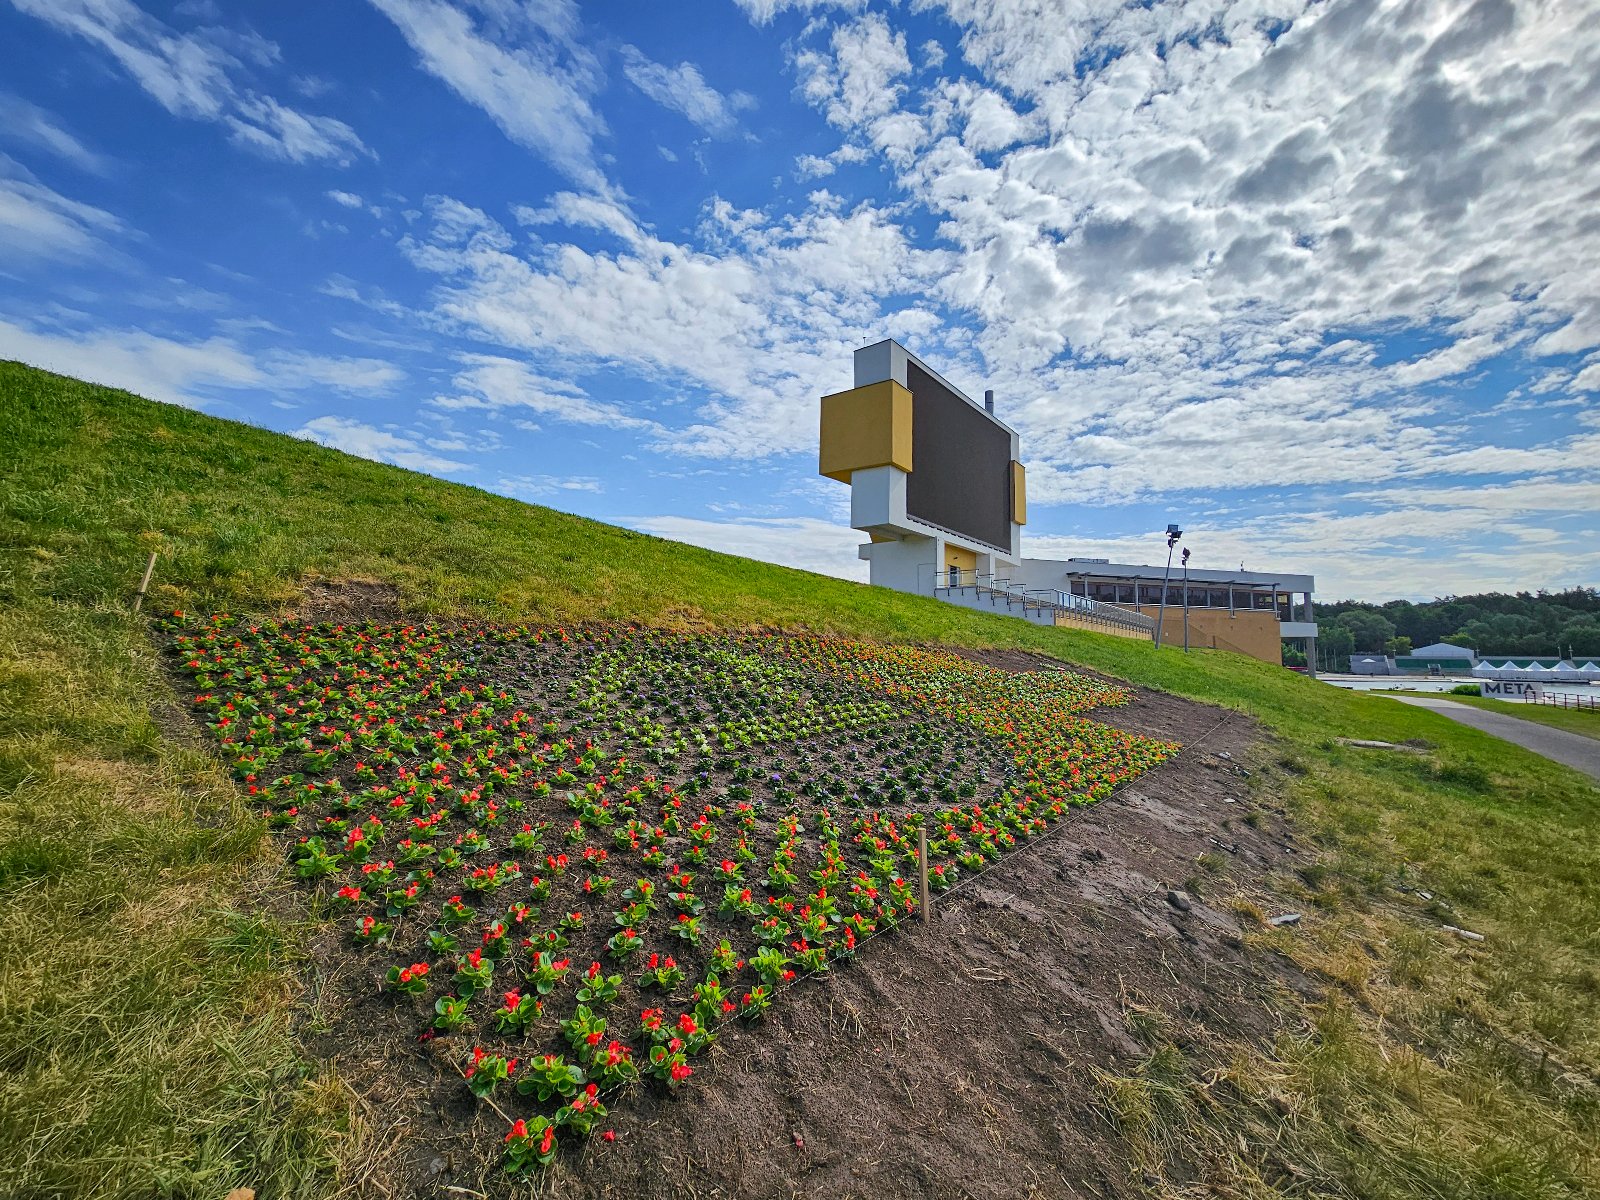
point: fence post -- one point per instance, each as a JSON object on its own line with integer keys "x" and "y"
{"x": 149, "y": 570}
{"x": 922, "y": 868}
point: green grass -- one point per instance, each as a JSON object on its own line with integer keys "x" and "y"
{"x": 1573, "y": 720}
{"x": 145, "y": 1004}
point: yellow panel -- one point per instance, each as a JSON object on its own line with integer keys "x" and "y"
{"x": 955, "y": 556}
{"x": 865, "y": 427}
{"x": 1019, "y": 493}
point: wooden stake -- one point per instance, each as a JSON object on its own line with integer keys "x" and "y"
{"x": 149, "y": 570}
{"x": 922, "y": 869}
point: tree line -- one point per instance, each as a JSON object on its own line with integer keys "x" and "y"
{"x": 1527, "y": 623}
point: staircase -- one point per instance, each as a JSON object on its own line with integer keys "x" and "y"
{"x": 1039, "y": 605}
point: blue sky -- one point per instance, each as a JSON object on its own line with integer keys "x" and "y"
{"x": 1317, "y": 281}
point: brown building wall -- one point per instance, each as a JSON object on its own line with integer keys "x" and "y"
{"x": 1243, "y": 632}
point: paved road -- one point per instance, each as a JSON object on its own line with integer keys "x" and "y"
{"x": 1573, "y": 749}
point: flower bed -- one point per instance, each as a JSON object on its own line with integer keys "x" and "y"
{"x": 584, "y": 853}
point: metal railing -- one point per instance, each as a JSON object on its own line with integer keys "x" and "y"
{"x": 1566, "y": 700}
{"x": 947, "y": 581}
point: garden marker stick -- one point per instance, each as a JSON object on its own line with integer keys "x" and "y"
{"x": 922, "y": 867}
{"x": 149, "y": 570}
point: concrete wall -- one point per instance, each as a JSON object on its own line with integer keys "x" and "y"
{"x": 989, "y": 602}
{"x": 895, "y": 564}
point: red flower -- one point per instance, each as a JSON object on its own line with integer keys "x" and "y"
{"x": 681, "y": 1071}
{"x": 610, "y": 1135}
{"x": 519, "y": 1130}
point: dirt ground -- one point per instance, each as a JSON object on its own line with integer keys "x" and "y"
{"x": 956, "y": 1059}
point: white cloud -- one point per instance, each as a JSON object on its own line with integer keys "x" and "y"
{"x": 1165, "y": 219}
{"x": 582, "y": 212}
{"x": 355, "y": 202}
{"x": 764, "y": 322}
{"x": 31, "y": 125}
{"x": 857, "y": 84}
{"x": 189, "y": 372}
{"x": 197, "y": 74}
{"x": 38, "y": 223}
{"x": 1588, "y": 379}
{"x": 812, "y": 166}
{"x": 520, "y": 64}
{"x": 365, "y": 376}
{"x": 264, "y": 125}
{"x": 380, "y": 445}
{"x": 528, "y": 487}
{"x": 761, "y": 12}
{"x": 684, "y": 90}
{"x": 491, "y": 382}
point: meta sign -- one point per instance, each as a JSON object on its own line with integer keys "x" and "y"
{"x": 1512, "y": 689}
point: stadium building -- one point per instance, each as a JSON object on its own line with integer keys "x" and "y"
{"x": 937, "y": 484}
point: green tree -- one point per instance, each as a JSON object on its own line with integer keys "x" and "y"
{"x": 1581, "y": 639}
{"x": 1369, "y": 629}
{"x": 1336, "y": 641}
{"x": 1399, "y": 644}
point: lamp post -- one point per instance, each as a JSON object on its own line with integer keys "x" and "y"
{"x": 1186, "y": 599}
{"x": 1173, "y": 534}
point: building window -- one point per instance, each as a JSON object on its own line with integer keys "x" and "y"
{"x": 1149, "y": 594}
{"x": 1105, "y": 593}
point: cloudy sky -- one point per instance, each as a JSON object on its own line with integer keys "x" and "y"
{"x": 1319, "y": 281}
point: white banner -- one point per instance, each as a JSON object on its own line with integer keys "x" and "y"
{"x": 1512, "y": 689}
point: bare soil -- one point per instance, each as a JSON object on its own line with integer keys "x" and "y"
{"x": 956, "y": 1059}
{"x": 345, "y": 601}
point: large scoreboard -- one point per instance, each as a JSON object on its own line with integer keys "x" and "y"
{"x": 933, "y": 476}
{"x": 961, "y": 477}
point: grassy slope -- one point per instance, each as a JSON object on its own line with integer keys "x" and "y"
{"x": 1573, "y": 720}
{"x": 134, "y": 995}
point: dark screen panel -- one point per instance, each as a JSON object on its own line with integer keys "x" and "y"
{"x": 960, "y": 463}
